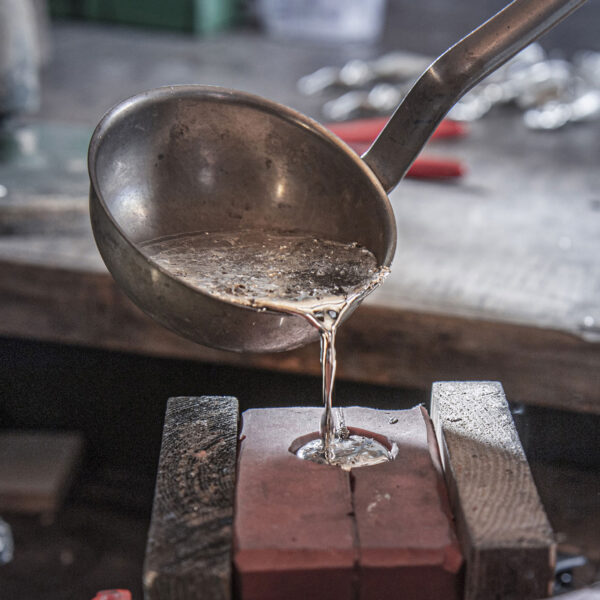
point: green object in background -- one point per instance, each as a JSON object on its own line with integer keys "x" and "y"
{"x": 197, "y": 16}
{"x": 64, "y": 8}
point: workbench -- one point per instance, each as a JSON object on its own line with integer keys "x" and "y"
{"x": 497, "y": 275}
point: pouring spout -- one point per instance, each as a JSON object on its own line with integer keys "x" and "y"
{"x": 452, "y": 75}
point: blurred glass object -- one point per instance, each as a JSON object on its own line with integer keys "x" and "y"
{"x": 335, "y": 21}
{"x": 510, "y": 83}
{"x": 20, "y": 57}
{"x": 394, "y": 67}
{"x": 587, "y": 64}
{"x": 556, "y": 114}
{"x": 381, "y": 99}
{"x": 551, "y": 92}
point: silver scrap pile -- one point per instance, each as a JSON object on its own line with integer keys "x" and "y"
{"x": 550, "y": 92}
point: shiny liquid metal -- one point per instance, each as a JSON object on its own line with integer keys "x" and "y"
{"x": 319, "y": 280}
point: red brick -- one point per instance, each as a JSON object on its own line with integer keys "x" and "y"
{"x": 296, "y": 535}
{"x": 293, "y": 533}
{"x": 406, "y": 535}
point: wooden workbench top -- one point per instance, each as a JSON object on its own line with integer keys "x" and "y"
{"x": 497, "y": 276}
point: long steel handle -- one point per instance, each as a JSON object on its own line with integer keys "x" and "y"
{"x": 452, "y": 75}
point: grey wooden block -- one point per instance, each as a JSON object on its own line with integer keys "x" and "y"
{"x": 503, "y": 529}
{"x": 36, "y": 468}
{"x": 188, "y": 555}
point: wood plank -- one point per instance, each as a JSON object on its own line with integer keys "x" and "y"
{"x": 36, "y": 468}
{"x": 377, "y": 345}
{"x": 496, "y": 275}
{"x": 504, "y": 531}
{"x": 304, "y": 530}
{"x": 503, "y": 244}
{"x": 473, "y": 249}
{"x": 514, "y": 240}
{"x": 188, "y": 555}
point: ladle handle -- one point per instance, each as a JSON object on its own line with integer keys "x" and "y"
{"x": 452, "y": 75}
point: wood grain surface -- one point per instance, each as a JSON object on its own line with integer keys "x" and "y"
{"x": 188, "y": 555}
{"x": 515, "y": 241}
{"x": 377, "y": 345}
{"x": 496, "y": 275}
{"x": 503, "y": 529}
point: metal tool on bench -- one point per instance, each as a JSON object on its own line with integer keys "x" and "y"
{"x": 192, "y": 158}
{"x": 361, "y": 133}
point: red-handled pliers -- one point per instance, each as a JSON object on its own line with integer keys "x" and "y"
{"x": 360, "y": 134}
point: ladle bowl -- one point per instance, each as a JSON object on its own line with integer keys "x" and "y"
{"x": 189, "y": 159}
{"x": 194, "y": 159}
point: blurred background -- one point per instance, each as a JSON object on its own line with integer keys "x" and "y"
{"x": 497, "y": 274}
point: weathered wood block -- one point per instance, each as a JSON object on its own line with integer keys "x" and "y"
{"x": 188, "y": 555}
{"x": 304, "y": 530}
{"x": 505, "y": 535}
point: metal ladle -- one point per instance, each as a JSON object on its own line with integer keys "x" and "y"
{"x": 193, "y": 158}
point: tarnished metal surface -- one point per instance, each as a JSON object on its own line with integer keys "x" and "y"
{"x": 194, "y": 158}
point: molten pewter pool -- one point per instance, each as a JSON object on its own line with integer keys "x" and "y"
{"x": 319, "y": 280}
